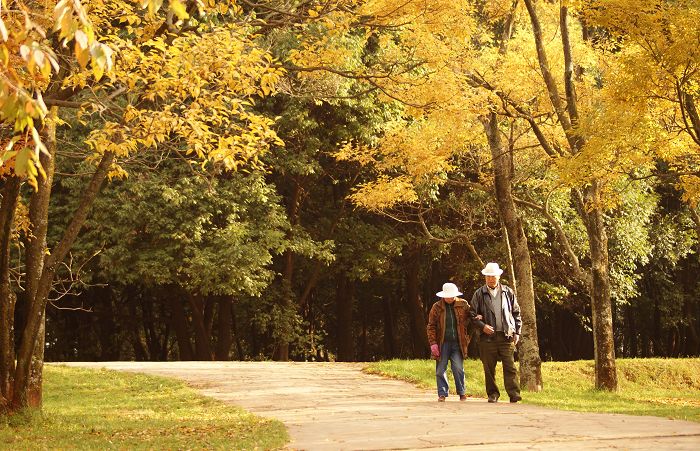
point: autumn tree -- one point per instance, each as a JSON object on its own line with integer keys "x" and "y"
{"x": 181, "y": 78}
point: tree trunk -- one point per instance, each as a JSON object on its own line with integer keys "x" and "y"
{"x": 414, "y": 305}
{"x": 130, "y": 296}
{"x": 202, "y": 338}
{"x": 224, "y": 329}
{"x": 107, "y": 328}
{"x": 589, "y": 207}
{"x": 30, "y": 357}
{"x": 364, "y": 335}
{"x": 236, "y": 334}
{"x": 344, "y": 319}
{"x": 281, "y": 352}
{"x": 601, "y": 308}
{"x": 10, "y": 195}
{"x": 530, "y": 363}
{"x": 389, "y": 327}
{"x": 148, "y": 321}
{"x": 182, "y": 333}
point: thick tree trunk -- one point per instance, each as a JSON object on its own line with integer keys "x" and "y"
{"x": 224, "y": 335}
{"x": 31, "y": 355}
{"x": 10, "y": 195}
{"x": 35, "y": 395}
{"x": 601, "y": 308}
{"x": 414, "y": 305}
{"x": 530, "y": 362}
{"x": 344, "y": 319}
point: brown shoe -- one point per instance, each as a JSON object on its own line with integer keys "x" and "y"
{"x": 462, "y": 397}
{"x": 441, "y": 399}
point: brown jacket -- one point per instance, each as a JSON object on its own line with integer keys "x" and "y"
{"x": 436, "y": 323}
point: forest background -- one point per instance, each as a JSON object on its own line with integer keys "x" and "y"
{"x": 294, "y": 180}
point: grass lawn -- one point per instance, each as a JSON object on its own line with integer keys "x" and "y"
{"x": 101, "y": 409}
{"x": 660, "y": 387}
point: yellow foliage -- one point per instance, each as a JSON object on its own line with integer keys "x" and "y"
{"x": 657, "y": 64}
{"x": 21, "y": 224}
{"x": 384, "y": 193}
{"x": 190, "y": 91}
{"x": 690, "y": 184}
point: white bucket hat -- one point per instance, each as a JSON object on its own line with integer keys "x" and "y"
{"x": 492, "y": 269}
{"x": 449, "y": 290}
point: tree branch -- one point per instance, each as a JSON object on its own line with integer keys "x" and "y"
{"x": 552, "y": 89}
{"x": 562, "y": 239}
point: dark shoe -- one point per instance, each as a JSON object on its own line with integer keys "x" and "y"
{"x": 516, "y": 399}
{"x": 493, "y": 398}
{"x": 441, "y": 399}
{"x": 462, "y": 397}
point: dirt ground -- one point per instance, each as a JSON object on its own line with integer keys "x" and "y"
{"x": 334, "y": 406}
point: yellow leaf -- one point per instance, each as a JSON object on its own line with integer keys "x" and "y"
{"x": 179, "y": 9}
{"x": 81, "y": 39}
{"x": 82, "y": 55}
{"x": 3, "y": 30}
{"x": 21, "y": 161}
{"x": 97, "y": 71}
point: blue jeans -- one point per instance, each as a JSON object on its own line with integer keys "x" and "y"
{"x": 450, "y": 351}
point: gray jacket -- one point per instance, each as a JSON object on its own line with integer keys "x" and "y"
{"x": 510, "y": 311}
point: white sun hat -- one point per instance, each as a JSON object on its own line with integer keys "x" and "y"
{"x": 449, "y": 290}
{"x": 492, "y": 269}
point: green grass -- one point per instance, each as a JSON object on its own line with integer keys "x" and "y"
{"x": 101, "y": 409}
{"x": 659, "y": 387}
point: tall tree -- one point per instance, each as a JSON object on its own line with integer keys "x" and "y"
{"x": 149, "y": 85}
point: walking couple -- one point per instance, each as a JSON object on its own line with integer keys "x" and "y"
{"x": 495, "y": 315}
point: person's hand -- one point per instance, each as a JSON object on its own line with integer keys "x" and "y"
{"x": 516, "y": 339}
{"x": 478, "y": 317}
{"x": 488, "y": 330}
{"x": 435, "y": 351}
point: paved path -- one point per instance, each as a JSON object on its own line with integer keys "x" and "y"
{"x": 334, "y": 406}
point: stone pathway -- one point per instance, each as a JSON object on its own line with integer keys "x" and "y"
{"x": 334, "y": 406}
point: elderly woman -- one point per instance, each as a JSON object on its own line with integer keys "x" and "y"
{"x": 449, "y": 339}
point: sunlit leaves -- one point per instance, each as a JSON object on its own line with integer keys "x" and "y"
{"x": 194, "y": 94}
{"x": 29, "y": 63}
{"x": 657, "y": 75}
{"x": 384, "y": 193}
{"x": 190, "y": 94}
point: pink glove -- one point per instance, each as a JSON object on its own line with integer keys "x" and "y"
{"x": 435, "y": 350}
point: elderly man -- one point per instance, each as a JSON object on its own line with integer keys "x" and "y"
{"x": 448, "y": 337}
{"x": 498, "y": 330}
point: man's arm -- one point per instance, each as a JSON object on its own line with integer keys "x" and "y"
{"x": 474, "y": 312}
{"x": 432, "y": 326}
{"x": 516, "y": 314}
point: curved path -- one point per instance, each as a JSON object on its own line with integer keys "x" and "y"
{"x": 334, "y": 406}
